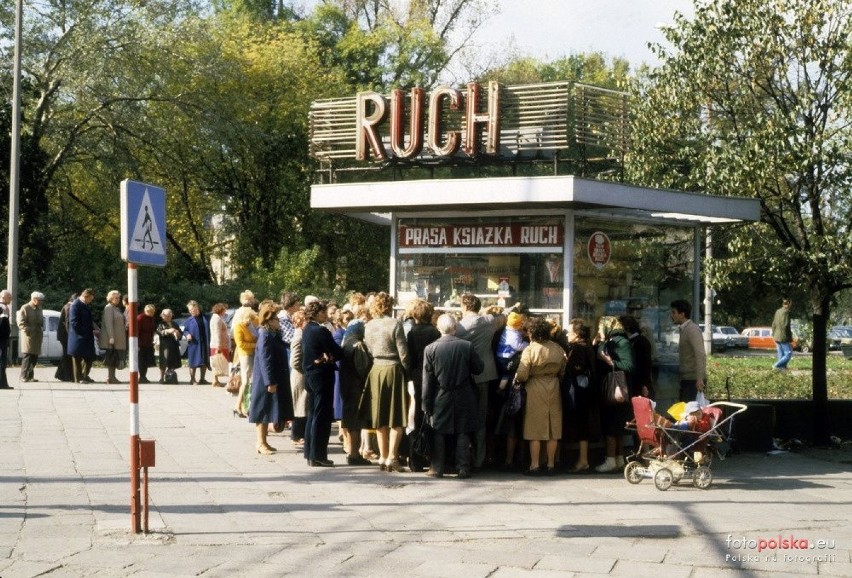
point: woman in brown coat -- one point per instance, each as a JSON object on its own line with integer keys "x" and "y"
{"x": 541, "y": 369}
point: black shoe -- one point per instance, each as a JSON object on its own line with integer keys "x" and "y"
{"x": 358, "y": 461}
{"x": 144, "y": 380}
{"x": 321, "y": 463}
{"x": 463, "y": 474}
{"x": 434, "y": 474}
{"x": 203, "y": 382}
{"x": 550, "y": 472}
{"x": 7, "y": 387}
{"x": 533, "y": 472}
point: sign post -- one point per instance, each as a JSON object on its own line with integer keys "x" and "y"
{"x": 143, "y": 236}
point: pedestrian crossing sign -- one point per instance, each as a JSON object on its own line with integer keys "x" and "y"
{"x": 143, "y": 223}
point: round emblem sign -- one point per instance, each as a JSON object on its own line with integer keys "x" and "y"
{"x": 599, "y": 249}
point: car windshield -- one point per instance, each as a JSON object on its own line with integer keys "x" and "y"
{"x": 729, "y": 330}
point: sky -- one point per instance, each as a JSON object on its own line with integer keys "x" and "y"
{"x": 550, "y": 29}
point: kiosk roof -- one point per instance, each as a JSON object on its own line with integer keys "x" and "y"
{"x": 376, "y": 201}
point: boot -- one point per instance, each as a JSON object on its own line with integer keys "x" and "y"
{"x": 111, "y": 375}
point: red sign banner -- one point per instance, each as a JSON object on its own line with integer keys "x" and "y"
{"x": 451, "y": 236}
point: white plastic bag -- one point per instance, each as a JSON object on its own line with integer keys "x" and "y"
{"x": 410, "y": 427}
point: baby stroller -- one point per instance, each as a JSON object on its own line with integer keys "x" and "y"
{"x": 668, "y": 453}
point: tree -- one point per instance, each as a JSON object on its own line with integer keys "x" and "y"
{"x": 88, "y": 67}
{"x": 383, "y": 44}
{"x": 755, "y": 99}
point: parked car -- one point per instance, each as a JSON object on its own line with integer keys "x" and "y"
{"x": 733, "y": 338}
{"x": 761, "y": 338}
{"x": 838, "y": 337}
{"x": 720, "y": 340}
{"x": 51, "y": 348}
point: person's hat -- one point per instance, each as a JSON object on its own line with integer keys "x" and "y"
{"x": 37, "y": 295}
{"x": 691, "y": 407}
{"x": 515, "y": 321}
{"x": 310, "y": 299}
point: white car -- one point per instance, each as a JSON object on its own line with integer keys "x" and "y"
{"x": 734, "y": 339}
{"x": 51, "y": 347}
{"x": 720, "y": 340}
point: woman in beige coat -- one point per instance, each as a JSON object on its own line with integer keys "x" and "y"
{"x": 113, "y": 337}
{"x": 541, "y": 369}
{"x": 297, "y": 381}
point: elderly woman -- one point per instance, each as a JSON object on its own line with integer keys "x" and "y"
{"x": 245, "y": 340}
{"x": 297, "y": 381}
{"x": 383, "y": 405}
{"x": 582, "y": 385}
{"x": 421, "y": 334}
{"x": 145, "y": 328}
{"x": 113, "y": 337}
{"x": 220, "y": 344}
{"x": 197, "y": 333}
{"x": 513, "y": 340}
{"x": 541, "y": 368}
{"x": 614, "y": 353}
{"x": 169, "y": 334}
{"x": 269, "y": 378}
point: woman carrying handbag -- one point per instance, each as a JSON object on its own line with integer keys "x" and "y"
{"x": 615, "y": 354}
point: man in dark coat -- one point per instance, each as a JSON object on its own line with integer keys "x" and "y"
{"x": 449, "y": 394}
{"x": 5, "y": 332}
{"x": 81, "y": 336}
{"x": 319, "y": 354}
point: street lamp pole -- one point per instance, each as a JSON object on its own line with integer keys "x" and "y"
{"x": 15, "y": 164}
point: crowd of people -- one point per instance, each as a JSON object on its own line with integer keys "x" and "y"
{"x": 388, "y": 379}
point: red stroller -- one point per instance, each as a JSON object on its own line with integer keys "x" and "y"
{"x": 669, "y": 454}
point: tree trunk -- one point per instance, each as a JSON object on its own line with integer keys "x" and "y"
{"x": 822, "y": 427}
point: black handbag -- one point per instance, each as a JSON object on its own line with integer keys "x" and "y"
{"x": 422, "y": 442}
{"x": 615, "y": 387}
{"x": 516, "y": 399}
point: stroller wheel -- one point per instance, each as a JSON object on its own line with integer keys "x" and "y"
{"x": 633, "y": 472}
{"x": 663, "y": 479}
{"x": 702, "y": 478}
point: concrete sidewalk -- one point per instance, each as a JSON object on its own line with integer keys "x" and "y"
{"x": 220, "y": 509}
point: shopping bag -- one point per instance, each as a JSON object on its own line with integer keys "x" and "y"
{"x": 615, "y": 388}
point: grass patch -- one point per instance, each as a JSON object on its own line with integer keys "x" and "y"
{"x": 752, "y": 377}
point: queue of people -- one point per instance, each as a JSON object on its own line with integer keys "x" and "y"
{"x": 387, "y": 379}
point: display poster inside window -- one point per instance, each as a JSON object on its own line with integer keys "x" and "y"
{"x": 599, "y": 249}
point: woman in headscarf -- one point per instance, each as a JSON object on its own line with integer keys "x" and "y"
{"x": 614, "y": 353}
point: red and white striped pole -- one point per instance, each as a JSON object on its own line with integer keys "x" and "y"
{"x": 133, "y": 350}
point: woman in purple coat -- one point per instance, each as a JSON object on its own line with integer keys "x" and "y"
{"x": 196, "y": 330}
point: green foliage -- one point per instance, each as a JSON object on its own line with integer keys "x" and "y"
{"x": 752, "y": 377}
{"x": 590, "y": 68}
{"x": 754, "y": 100}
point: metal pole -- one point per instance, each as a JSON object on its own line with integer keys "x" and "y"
{"x": 708, "y": 294}
{"x": 14, "y": 168}
{"x": 133, "y": 350}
